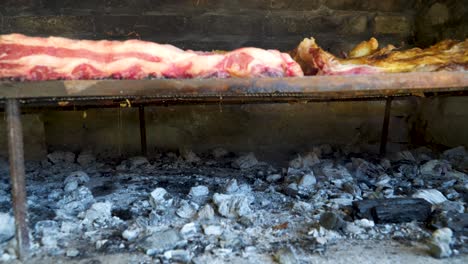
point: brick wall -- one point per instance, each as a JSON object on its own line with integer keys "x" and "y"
{"x": 216, "y": 24}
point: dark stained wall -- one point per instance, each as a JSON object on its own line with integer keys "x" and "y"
{"x": 216, "y": 24}
{"x": 441, "y": 19}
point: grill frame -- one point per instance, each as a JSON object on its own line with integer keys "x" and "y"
{"x": 112, "y": 93}
{"x": 310, "y": 87}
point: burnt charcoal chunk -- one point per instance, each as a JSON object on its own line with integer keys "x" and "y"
{"x": 397, "y": 210}
{"x": 406, "y": 211}
{"x": 363, "y": 208}
{"x": 332, "y": 221}
{"x": 457, "y": 222}
{"x": 123, "y": 214}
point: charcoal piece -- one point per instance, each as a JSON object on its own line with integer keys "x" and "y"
{"x": 291, "y": 190}
{"x": 458, "y": 222}
{"x": 396, "y": 210}
{"x": 363, "y": 208}
{"x": 332, "y": 221}
{"x": 465, "y": 197}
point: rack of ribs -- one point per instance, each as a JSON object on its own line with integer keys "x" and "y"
{"x": 55, "y": 58}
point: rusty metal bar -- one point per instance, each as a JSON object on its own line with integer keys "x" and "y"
{"x": 33, "y": 105}
{"x": 385, "y": 125}
{"x": 141, "y": 117}
{"x": 314, "y": 87}
{"x": 17, "y": 174}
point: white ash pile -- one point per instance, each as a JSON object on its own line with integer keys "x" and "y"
{"x": 192, "y": 208}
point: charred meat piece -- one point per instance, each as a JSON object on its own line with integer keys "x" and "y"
{"x": 366, "y": 58}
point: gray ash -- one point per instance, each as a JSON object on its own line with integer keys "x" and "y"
{"x": 228, "y": 207}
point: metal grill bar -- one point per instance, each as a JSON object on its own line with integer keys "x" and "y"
{"x": 17, "y": 174}
{"x": 386, "y": 121}
{"x": 141, "y": 117}
{"x": 317, "y": 87}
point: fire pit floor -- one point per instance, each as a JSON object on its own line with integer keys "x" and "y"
{"x": 347, "y": 251}
{"x": 221, "y": 207}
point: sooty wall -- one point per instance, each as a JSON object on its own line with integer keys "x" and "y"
{"x": 216, "y": 24}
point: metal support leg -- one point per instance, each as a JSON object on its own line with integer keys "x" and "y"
{"x": 386, "y": 121}
{"x": 141, "y": 114}
{"x": 17, "y": 174}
